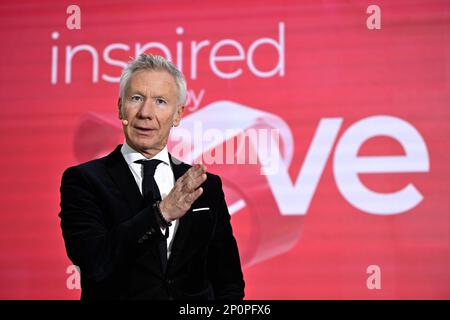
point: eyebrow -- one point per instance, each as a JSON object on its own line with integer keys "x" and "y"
{"x": 136, "y": 92}
{"x": 161, "y": 97}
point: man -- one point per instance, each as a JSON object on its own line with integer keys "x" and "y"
{"x": 139, "y": 223}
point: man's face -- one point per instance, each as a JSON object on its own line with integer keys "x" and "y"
{"x": 151, "y": 107}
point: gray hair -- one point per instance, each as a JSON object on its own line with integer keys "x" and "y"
{"x": 157, "y": 63}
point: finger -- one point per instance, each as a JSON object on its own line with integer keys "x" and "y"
{"x": 192, "y": 174}
{"x": 197, "y": 193}
{"x": 197, "y": 170}
{"x": 194, "y": 196}
{"x": 183, "y": 179}
{"x": 187, "y": 175}
{"x": 193, "y": 183}
{"x": 202, "y": 168}
{"x": 198, "y": 181}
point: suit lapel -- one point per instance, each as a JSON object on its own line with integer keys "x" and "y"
{"x": 120, "y": 173}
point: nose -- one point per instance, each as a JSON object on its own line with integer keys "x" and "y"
{"x": 147, "y": 109}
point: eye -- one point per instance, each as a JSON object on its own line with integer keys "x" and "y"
{"x": 160, "y": 101}
{"x": 136, "y": 98}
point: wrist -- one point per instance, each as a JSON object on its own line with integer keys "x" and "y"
{"x": 163, "y": 219}
{"x": 164, "y": 211}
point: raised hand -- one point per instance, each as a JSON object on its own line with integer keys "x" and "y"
{"x": 184, "y": 193}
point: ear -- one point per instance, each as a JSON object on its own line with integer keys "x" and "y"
{"x": 119, "y": 103}
{"x": 178, "y": 115}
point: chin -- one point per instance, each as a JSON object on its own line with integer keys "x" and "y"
{"x": 146, "y": 144}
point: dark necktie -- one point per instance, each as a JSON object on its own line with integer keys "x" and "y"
{"x": 151, "y": 194}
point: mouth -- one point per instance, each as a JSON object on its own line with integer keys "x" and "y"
{"x": 144, "y": 130}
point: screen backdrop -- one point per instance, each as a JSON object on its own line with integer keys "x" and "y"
{"x": 358, "y": 206}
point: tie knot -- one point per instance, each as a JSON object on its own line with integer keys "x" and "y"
{"x": 149, "y": 166}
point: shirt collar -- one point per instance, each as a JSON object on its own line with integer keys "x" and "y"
{"x": 132, "y": 155}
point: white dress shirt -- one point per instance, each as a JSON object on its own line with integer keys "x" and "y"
{"x": 163, "y": 176}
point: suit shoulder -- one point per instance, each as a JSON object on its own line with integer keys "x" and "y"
{"x": 213, "y": 181}
{"x": 87, "y": 168}
{"x": 97, "y": 164}
{"x": 214, "y": 177}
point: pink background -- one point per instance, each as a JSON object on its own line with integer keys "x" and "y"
{"x": 334, "y": 67}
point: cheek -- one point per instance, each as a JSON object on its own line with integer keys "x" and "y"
{"x": 126, "y": 112}
{"x": 131, "y": 115}
{"x": 128, "y": 131}
{"x": 165, "y": 118}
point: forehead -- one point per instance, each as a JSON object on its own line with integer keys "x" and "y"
{"x": 153, "y": 82}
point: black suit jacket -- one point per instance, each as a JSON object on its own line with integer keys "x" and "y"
{"x": 113, "y": 237}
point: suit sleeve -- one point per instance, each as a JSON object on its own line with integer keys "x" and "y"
{"x": 224, "y": 267}
{"x": 98, "y": 251}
